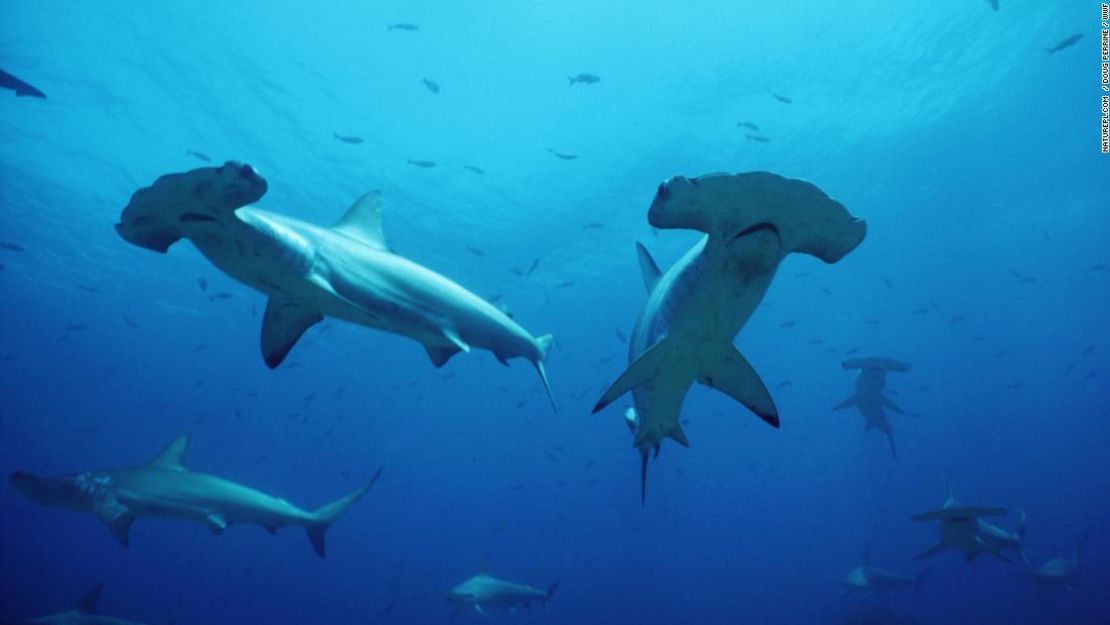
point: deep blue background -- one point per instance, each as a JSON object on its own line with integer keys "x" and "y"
{"x": 971, "y": 153}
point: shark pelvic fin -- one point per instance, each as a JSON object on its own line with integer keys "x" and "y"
{"x": 734, "y": 376}
{"x": 216, "y": 523}
{"x": 851, "y": 401}
{"x": 679, "y": 435}
{"x": 363, "y": 221}
{"x": 648, "y": 268}
{"x": 88, "y": 602}
{"x": 172, "y": 457}
{"x": 440, "y": 355}
{"x": 282, "y": 326}
{"x": 325, "y": 516}
{"x": 930, "y": 552}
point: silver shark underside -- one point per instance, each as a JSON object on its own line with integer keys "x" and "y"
{"x": 345, "y": 271}
{"x": 484, "y": 593}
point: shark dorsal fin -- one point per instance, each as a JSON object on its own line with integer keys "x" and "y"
{"x": 363, "y": 220}
{"x": 867, "y": 555}
{"x": 88, "y": 601}
{"x": 648, "y": 268}
{"x": 173, "y": 456}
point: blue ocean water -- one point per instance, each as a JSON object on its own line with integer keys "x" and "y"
{"x": 972, "y": 154}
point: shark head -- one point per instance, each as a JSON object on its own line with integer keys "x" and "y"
{"x": 794, "y": 215}
{"x": 158, "y": 215}
{"x": 66, "y": 491}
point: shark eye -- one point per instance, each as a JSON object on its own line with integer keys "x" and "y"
{"x": 246, "y": 171}
{"x": 663, "y": 192}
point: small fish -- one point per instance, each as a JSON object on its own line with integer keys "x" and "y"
{"x": 757, "y": 138}
{"x": 788, "y": 324}
{"x": 1066, "y": 42}
{"x": 475, "y": 169}
{"x": 88, "y": 288}
{"x": 748, "y": 125}
{"x": 565, "y": 283}
{"x": 621, "y": 336}
{"x": 920, "y": 311}
{"x": 782, "y": 98}
{"x": 203, "y": 284}
{"x": 77, "y": 327}
{"x": 221, "y": 295}
{"x": 593, "y": 225}
{"x": 871, "y": 321}
{"x": 351, "y": 139}
{"x": 130, "y": 322}
{"x": 803, "y": 274}
{"x": 519, "y": 272}
{"x": 1090, "y": 350}
{"x": 585, "y": 79}
{"x": 851, "y": 351}
{"x": 432, "y": 85}
{"x": 402, "y": 26}
{"x": 563, "y": 155}
{"x": 956, "y": 318}
{"x": 200, "y": 156}
{"x": 889, "y": 284}
{"x": 7, "y": 81}
{"x": 424, "y": 164}
{"x": 1098, "y": 267}
{"x": 532, "y": 268}
{"x": 784, "y": 384}
{"x": 475, "y": 251}
{"x": 12, "y": 247}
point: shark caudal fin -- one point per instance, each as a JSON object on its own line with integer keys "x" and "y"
{"x": 805, "y": 219}
{"x": 325, "y": 516}
{"x": 551, "y": 588}
{"x": 157, "y": 215}
{"x": 545, "y": 342}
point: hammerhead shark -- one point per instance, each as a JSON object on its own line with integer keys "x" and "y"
{"x": 869, "y": 398}
{"x": 867, "y": 577}
{"x": 164, "y": 488}
{"x": 962, "y": 528}
{"x": 484, "y": 593}
{"x": 685, "y": 331}
{"x": 84, "y": 614}
{"x": 346, "y": 271}
{"x": 1060, "y": 572}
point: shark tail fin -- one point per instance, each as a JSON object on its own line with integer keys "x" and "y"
{"x": 89, "y": 600}
{"x": 325, "y": 516}
{"x": 551, "y": 588}
{"x": 545, "y": 342}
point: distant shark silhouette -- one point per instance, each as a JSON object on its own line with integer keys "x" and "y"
{"x": 962, "y": 528}
{"x": 869, "y": 578}
{"x": 84, "y": 614}
{"x": 685, "y": 331}
{"x": 164, "y": 488}
{"x": 869, "y": 398}
{"x": 1060, "y": 573}
{"x": 345, "y": 271}
{"x": 484, "y": 594}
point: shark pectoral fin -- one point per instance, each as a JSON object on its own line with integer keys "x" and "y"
{"x": 479, "y": 610}
{"x": 363, "y": 221}
{"x": 679, "y": 436}
{"x": 649, "y": 364}
{"x": 734, "y": 376}
{"x": 282, "y": 326}
{"x": 851, "y": 401}
{"x": 648, "y": 268}
{"x": 440, "y": 354}
{"x": 216, "y": 523}
{"x": 89, "y": 600}
{"x": 930, "y": 552}
{"x": 893, "y": 406}
{"x": 117, "y": 517}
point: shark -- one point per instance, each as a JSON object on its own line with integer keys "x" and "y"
{"x": 85, "y": 613}
{"x": 346, "y": 271}
{"x": 484, "y": 593}
{"x": 869, "y": 578}
{"x": 962, "y": 528}
{"x": 164, "y": 488}
{"x": 869, "y": 398}
{"x": 1060, "y": 572}
{"x": 684, "y": 333}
